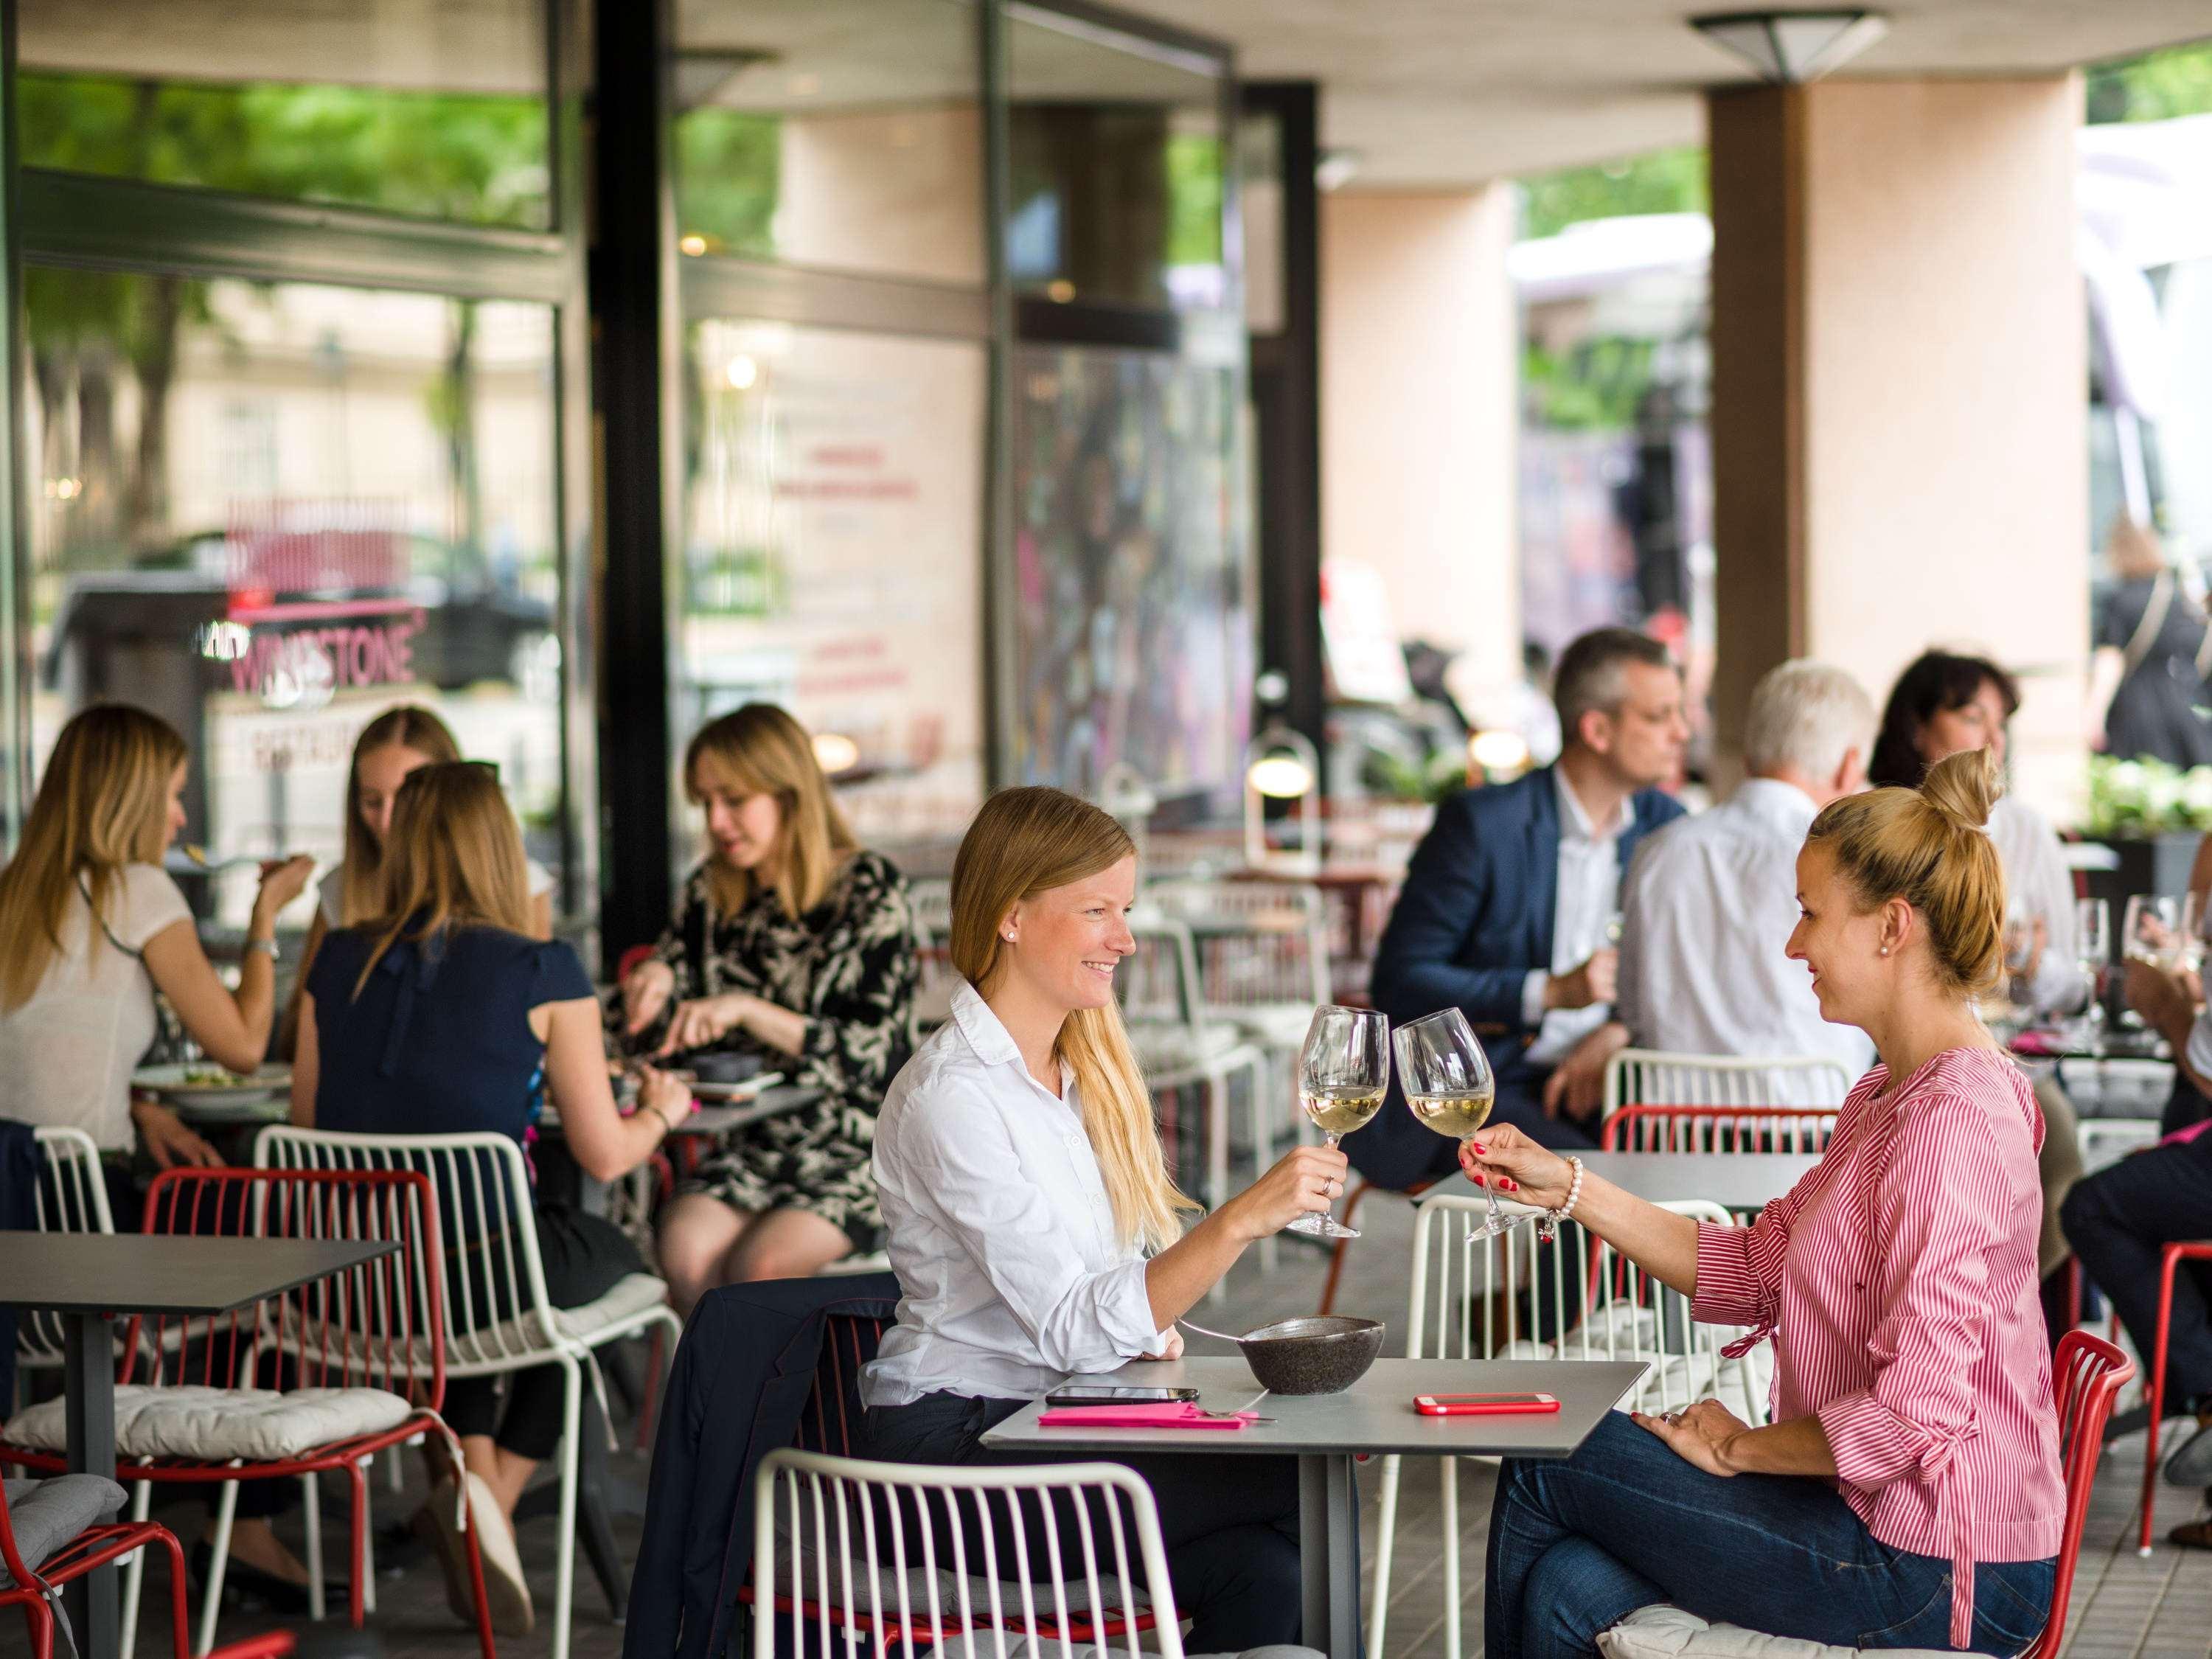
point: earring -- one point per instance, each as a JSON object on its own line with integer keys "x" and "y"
{"x": 1885, "y": 950}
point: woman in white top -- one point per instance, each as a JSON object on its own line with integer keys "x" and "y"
{"x": 396, "y": 743}
{"x": 1031, "y": 1221}
{"x": 90, "y": 928}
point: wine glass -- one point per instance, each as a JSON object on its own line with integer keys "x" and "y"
{"x": 1448, "y": 1086}
{"x": 1344, "y": 1072}
{"x": 2092, "y": 954}
{"x": 2192, "y": 933}
{"x": 2152, "y": 930}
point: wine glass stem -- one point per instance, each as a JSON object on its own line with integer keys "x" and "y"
{"x": 1328, "y": 1139}
{"x": 1490, "y": 1197}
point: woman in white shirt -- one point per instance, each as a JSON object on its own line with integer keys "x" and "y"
{"x": 90, "y": 928}
{"x": 1030, "y": 1218}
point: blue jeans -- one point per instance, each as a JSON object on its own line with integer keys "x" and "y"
{"x": 1576, "y": 1545}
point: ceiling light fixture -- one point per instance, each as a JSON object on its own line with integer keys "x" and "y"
{"x": 1789, "y": 48}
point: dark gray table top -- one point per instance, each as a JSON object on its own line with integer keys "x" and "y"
{"x": 164, "y": 1273}
{"x": 1376, "y": 1414}
{"x": 1734, "y": 1181}
{"x": 718, "y": 1120}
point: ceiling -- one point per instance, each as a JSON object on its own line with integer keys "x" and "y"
{"x": 1436, "y": 93}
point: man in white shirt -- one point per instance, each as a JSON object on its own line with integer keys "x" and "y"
{"x": 1708, "y": 903}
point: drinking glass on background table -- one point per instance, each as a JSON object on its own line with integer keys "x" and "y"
{"x": 2093, "y": 953}
{"x": 1450, "y": 1088}
{"x": 1344, "y": 1072}
{"x": 2192, "y": 933}
{"x": 2153, "y": 932}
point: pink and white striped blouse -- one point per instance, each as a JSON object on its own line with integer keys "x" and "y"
{"x": 1899, "y": 1282}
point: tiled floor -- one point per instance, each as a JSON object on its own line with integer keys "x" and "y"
{"x": 2124, "y": 1607}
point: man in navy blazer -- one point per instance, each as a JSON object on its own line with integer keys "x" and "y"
{"x": 1507, "y": 906}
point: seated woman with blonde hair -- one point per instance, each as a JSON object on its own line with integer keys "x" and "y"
{"x": 1907, "y": 1493}
{"x": 442, "y": 1015}
{"x": 1032, "y": 1224}
{"x": 792, "y": 945}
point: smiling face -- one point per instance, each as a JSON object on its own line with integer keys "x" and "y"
{"x": 1977, "y": 724}
{"x": 1840, "y": 942}
{"x": 745, "y": 825}
{"x": 1064, "y": 944}
{"x": 378, "y": 773}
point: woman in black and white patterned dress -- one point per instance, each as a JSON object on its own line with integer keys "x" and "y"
{"x": 793, "y": 943}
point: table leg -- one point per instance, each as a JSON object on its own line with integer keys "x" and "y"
{"x": 89, "y": 1383}
{"x": 1328, "y": 1553}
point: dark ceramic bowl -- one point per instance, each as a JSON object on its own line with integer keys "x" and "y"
{"x": 1313, "y": 1355}
{"x": 725, "y": 1069}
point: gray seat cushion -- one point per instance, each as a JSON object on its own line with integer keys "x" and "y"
{"x": 217, "y": 1424}
{"x": 1668, "y": 1632}
{"x": 47, "y": 1514}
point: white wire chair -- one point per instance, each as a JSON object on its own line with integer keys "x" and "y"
{"x": 876, "y": 1553}
{"x": 498, "y": 1317}
{"x": 2105, "y": 1140}
{"x": 1180, "y": 1048}
{"x": 1464, "y": 1304}
{"x": 1640, "y": 1077}
{"x": 1263, "y": 951}
{"x": 72, "y": 1198}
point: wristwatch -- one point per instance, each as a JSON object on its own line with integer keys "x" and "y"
{"x": 266, "y": 947}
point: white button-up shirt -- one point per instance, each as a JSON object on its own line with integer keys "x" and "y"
{"x": 1706, "y": 913}
{"x": 1589, "y": 891}
{"x": 1011, "y": 1274}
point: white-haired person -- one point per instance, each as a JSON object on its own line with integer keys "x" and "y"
{"x": 1706, "y": 897}
{"x": 1907, "y": 1492}
{"x": 1033, "y": 1225}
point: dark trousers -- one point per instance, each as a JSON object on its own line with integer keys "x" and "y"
{"x": 2117, "y": 1221}
{"x": 2184, "y": 1106}
{"x": 1398, "y": 1152}
{"x": 585, "y": 1256}
{"x": 1230, "y": 1522}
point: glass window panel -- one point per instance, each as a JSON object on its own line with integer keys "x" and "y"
{"x": 433, "y": 108}
{"x": 843, "y": 135}
{"x": 1118, "y": 160}
{"x": 1260, "y": 205}
{"x": 1132, "y": 613}
{"x": 270, "y": 512}
{"x": 832, "y": 560}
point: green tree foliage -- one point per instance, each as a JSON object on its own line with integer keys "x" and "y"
{"x": 727, "y": 162}
{"x": 1663, "y": 181}
{"x": 2155, "y": 86}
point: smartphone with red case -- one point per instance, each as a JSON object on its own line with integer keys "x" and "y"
{"x": 1482, "y": 1405}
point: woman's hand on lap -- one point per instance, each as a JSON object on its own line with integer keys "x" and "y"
{"x": 168, "y": 1141}
{"x": 1698, "y": 1435}
{"x": 1500, "y": 1155}
{"x": 1305, "y": 1181}
{"x": 645, "y": 993}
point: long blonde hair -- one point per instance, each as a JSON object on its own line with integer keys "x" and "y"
{"x": 761, "y": 749}
{"x": 1025, "y": 843}
{"x": 102, "y": 805}
{"x": 360, "y": 891}
{"x": 453, "y": 860}
{"x": 1930, "y": 846}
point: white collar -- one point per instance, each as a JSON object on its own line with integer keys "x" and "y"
{"x": 993, "y": 1043}
{"x": 1771, "y": 800}
{"x": 1574, "y": 819}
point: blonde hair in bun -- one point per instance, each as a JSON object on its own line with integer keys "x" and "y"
{"x": 1930, "y": 846}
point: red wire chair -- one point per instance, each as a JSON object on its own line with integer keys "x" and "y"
{"x": 33, "y": 1590}
{"x": 1647, "y": 1129}
{"x": 2170, "y": 1261}
{"x": 377, "y": 1326}
{"x": 2086, "y": 1377}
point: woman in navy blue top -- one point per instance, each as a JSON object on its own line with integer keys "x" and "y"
{"x": 444, "y": 1016}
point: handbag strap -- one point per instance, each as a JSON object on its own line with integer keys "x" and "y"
{"x": 2137, "y": 650}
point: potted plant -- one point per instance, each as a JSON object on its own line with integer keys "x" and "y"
{"x": 2151, "y": 815}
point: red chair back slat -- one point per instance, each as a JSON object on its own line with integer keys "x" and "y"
{"x": 2086, "y": 1375}
{"x": 379, "y": 1325}
{"x": 1650, "y": 1128}
{"x": 826, "y": 1424}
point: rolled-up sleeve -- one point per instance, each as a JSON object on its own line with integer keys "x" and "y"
{"x": 1944, "y": 1210}
{"x": 1740, "y": 1269}
{"x": 964, "y": 1171}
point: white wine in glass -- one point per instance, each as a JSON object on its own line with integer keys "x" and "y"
{"x": 1449, "y": 1086}
{"x": 1344, "y": 1072}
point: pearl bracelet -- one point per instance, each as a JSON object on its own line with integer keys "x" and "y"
{"x": 1547, "y": 1225}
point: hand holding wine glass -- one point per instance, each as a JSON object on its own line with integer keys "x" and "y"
{"x": 1540, "y": 1176}
{"x": 1449, "y": 1087}
{"x": 1344, "y": 1072}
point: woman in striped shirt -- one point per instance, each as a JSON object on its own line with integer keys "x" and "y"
{"x": 1907, "y": 1492}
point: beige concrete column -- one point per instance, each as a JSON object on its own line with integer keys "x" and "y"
{"x": 1899, "y": 347}
{"x": 1418, "y": 416}
{"x": 890, "y": 191}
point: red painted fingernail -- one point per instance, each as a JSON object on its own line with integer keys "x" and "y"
{"x": 1476, "y": 1177}
{"x": 1478, "y": 1146}
{"x": 1509, "y": 1183}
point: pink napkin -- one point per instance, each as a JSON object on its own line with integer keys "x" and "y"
{"x": 2183, "y": 1136}
{"x": 1172, "y": 1414}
